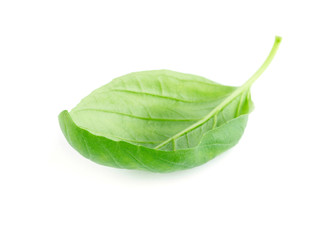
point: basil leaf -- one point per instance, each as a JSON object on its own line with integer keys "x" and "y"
{"x": 159, "y": 121}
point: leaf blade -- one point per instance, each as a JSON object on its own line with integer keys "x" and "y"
{"x": 121, "y": 154}
{"x": 160, "y": 120}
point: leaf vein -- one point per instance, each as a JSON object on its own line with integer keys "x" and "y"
{"x": 153, "y": 95}
{"x": 134, "y": 116}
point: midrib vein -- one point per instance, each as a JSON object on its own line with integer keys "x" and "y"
{"x": 206, "y": 118}
{"x": 232, "y": 96}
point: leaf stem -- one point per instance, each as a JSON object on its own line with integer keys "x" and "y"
{"x": 250, "y": 81}
{"x": 232, "y": 96}
{"x": 266, "y": 63}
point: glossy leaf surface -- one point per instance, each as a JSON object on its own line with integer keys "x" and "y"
{"x": 159, "y": 120}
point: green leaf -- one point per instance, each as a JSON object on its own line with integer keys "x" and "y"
{"x": 160, "y": 120}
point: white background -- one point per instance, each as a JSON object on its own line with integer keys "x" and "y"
{"x": 54, "y": 53}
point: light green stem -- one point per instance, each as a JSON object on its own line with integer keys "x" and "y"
{"x": 268, "y": 60}
{"x": 232, "y": 96}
